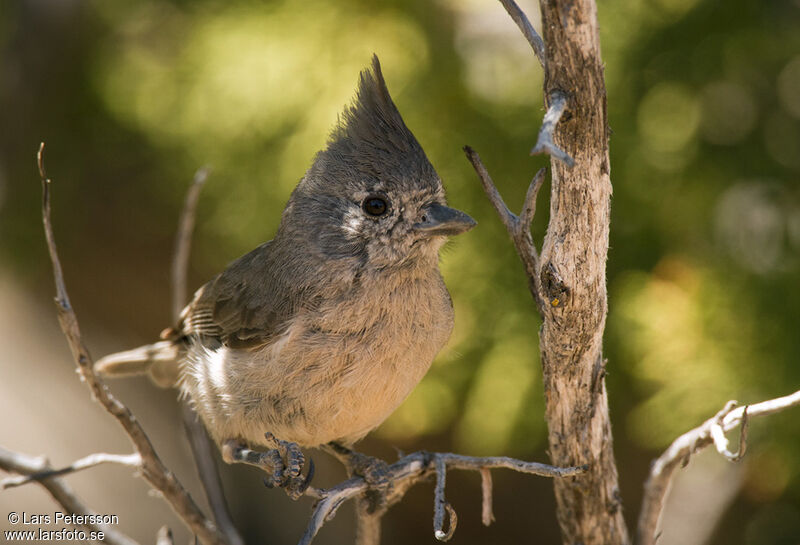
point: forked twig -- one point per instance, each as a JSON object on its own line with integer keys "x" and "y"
{"x": 129, "y": 460}
{"x": 518, "y": 227}
{"x": 61, "y": 493}
{"x": 415, "y": 468}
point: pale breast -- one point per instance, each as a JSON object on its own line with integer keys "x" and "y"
{"x": 337, "y": 372}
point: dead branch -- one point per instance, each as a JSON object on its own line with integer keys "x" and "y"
{"x": 129, "y": 460}
{"x": 60, "y": 491}
{"x": 183, "y": 242}
{"x": 202, "y": 451}
{"x": 518, "y": 227}
{"x": 487, "y": 517}
{"x": 439, "y": 503}
{"x": 527, "y": 29}
{"x": 415, "y": 468}
{"x": 152, "y": 468}
{"x": 545, "y": 143}
{"x": 679, "y": 452}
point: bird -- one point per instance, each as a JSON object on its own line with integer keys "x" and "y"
{"x": 316, "y": 336}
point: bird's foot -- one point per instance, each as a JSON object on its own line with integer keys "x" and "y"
{"x": 373, "y": 470}
{"x": 283, "y": 463}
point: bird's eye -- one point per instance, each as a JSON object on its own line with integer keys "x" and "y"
{"x": 375, "y": 205}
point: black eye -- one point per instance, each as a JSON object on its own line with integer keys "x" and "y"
{"x": 375, "y": 206}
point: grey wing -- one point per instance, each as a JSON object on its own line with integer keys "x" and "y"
{"x": 247, "y": 305}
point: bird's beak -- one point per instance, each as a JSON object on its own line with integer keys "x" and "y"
{"x": 441, "y": 220}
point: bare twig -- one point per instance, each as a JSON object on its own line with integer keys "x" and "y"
{"x": 202, "y": 451}
{"x": 183, "y": 242}
{"x": 527, "y": 29}
{"x": 412, "y": 469}
{"x": 721, "y": 441}
{"x": 61, "y": 493}
{"x": 529, "y": 206}
{"x": 506, "y": 216}
{"x": 679, "y": 452}
{"x": 129, "y": 460}
{"x": 439, "y": 502}
{"x": 487, "y": 516}
{"x": 518, "y": 227}
{"x": 545, "y": 143}
{"x": 153, "y": 469}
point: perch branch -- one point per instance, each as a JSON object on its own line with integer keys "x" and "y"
{"x": 518, "y": 227}
{"x": 152, "y": 468}
{"x": 545, "y": 143}
{"x": 679, "y": 452}
{"x": 526, "y": 27}
{"x": 60, "y": 491}
{"x": 202, "y": 451}
{"x": 412, "y": 469}
{"x": 129, "y": 460}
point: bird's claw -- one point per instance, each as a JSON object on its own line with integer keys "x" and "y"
{"x": 373, "y": 470}
{"x": 283, "y": 463}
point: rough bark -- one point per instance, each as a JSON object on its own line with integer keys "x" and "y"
{"x": 573, "y": 279}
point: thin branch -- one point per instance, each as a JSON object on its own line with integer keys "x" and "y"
{"x": 129, "y": 460}
{"x": 183, "y": 242}
{"x": 529, "y": 206}
{"x": 721, "y": 441}
{"x": 153, "y": 469}
{"x": 439, "y": 501}
{"x": 545, "y": 143}
{"x": 61, "y": 493}
{"x": 527, "y": 29}
{"x": 519, "y": 228}
{"x": 202, "y": 451}
{"x": 412, "y": 469}
{"x": 679, "y": 452}
{"x": 204, "y": 455}
{"x": 506, "y": 216}
{"x": 487, "y": 516}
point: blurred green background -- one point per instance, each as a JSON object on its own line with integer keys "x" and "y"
{"x": 703, "y": 271}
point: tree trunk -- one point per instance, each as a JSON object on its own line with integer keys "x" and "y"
{"x": 573, "y": 280}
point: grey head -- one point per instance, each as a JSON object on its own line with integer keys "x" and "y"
{"x": 372, "y": 195}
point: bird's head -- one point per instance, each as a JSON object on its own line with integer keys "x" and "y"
{"x": 372, "y": 194}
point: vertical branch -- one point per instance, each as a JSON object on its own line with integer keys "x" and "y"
{"x": 573, "y": 278}
{"x": 183, "y": 243}
{"x": 202, "y": 451}
{"x": 368, "y": 522}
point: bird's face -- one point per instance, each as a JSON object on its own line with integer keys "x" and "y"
{"x": 400, "y": 224}
{"x": 383, "y": 223}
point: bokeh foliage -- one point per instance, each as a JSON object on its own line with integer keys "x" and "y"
{"x": 704, "y": 104}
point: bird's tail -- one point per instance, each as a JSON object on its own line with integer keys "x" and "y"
{"x": 158, "y": 360}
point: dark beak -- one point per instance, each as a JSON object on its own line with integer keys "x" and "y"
{"x": 441, "y": 220}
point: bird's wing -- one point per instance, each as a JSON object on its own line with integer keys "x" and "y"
{"x": 247, "y": 305}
